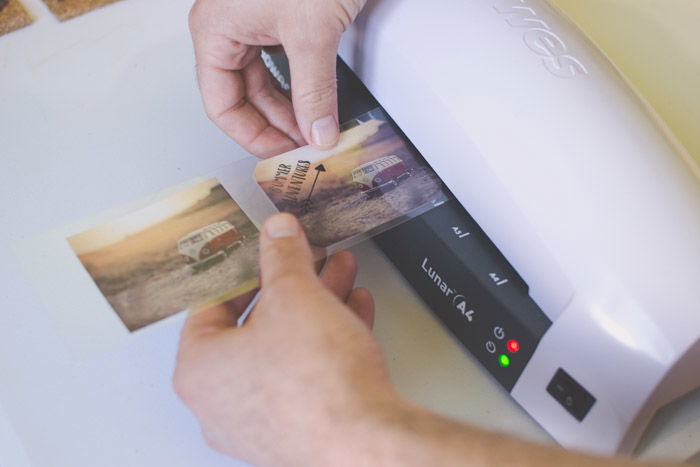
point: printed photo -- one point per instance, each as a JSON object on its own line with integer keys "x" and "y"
{"x": 371, "y": 180}
{"x": 193, "y": 247}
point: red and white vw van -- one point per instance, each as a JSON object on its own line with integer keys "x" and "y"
{"x": 380, "y": 175}
{"x": 210, "y": 242}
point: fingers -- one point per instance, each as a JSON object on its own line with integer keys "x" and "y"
{"x": 339, "y": 274}
{"x": 215, "y": 319}
{"x": 285, "y": 255}
{"x": 312, "y": 64}
{"x": 240, "y": 99}
{"x": 272, "y": 104}
{"x": 362, "y": 303}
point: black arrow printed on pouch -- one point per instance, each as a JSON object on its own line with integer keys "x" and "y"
{"x": 319, "y": 168}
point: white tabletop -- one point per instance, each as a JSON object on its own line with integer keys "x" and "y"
{"x": 102, "y": 110}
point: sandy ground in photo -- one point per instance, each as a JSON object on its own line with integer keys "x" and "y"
{"x": 180, "y": 288}
{"x": 145, "y": 279}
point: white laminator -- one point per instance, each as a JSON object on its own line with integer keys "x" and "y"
{"x": 575, "y": 181}
{"x": 90, "y": 94}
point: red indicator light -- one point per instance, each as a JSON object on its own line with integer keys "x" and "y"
{"x": 513, "y": 346}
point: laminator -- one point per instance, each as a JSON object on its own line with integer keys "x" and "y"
{"x": 568, "y": 260}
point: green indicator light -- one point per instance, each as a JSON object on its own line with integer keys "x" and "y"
{"x": 504, "y": 360}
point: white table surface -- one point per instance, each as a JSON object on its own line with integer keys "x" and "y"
{"x": 102, "y": 110}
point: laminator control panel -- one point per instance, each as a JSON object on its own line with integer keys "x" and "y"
{"x": 468, "y": 284}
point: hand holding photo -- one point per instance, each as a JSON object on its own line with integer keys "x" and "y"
{"x": 371, "y": 181}
{"x": 196, "y": 247}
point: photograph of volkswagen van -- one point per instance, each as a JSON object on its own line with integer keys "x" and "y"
{"x": 381, "y": 175}
{"x": 373, "y": 179}
{"x": 179, "y": 252}
{"x": 214, "y": 241}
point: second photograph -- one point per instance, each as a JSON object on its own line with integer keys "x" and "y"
{"x": 372, "y": 180}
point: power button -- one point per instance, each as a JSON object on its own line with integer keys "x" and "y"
{"x": 570, "y": 394}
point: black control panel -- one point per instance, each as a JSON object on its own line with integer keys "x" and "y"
{"x": 451, "y": 263}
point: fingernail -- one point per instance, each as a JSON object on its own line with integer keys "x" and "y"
{"x": 281, "y": 225}
{"x": 324, "y": 131}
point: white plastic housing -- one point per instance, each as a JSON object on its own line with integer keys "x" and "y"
{"x": 574, "y": 180}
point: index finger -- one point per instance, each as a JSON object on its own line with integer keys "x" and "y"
{"x": 222, "y": 82}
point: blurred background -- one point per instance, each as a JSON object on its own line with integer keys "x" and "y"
{"x": 656, "y": 44}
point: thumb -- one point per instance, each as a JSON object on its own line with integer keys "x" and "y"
{"x": 312, "y": 65}
{"x": 285, "y": 255}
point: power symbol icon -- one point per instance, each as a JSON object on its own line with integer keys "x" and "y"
{"x": 499, "y": 333}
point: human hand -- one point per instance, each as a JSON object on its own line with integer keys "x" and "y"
{"x": 237, "y": 90}
{"x": 291, "y": 385}
{"x": 304, "y": 383}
